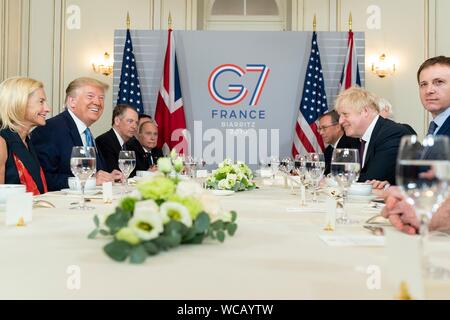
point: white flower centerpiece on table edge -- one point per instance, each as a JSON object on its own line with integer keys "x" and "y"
{"x": 231, "y": 176}
{"x": 164, "y": 212}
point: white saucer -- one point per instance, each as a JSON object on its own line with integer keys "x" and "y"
{"x": 78, "y": 192}
{"x": 357, "y": 198}
{"x": 222, "y": 192}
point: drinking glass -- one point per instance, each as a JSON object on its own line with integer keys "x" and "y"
{"x": 274, "y": 166}
{"x": 190, "y": 165}
{"x": 423, "y": 174}
{"x": 83, "y": 166}
{"x": 127, "y": 163}
{"x": 345, "y": 169}
{"x": 315, "y": 165}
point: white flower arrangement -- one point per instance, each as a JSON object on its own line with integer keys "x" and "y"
{"x": 231, "y": 176}
{"x": 164, "y": 212}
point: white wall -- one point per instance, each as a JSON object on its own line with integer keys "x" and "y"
{"x": 35, "y": 40}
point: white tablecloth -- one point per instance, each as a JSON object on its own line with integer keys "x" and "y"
{"x": 275, "y": 254}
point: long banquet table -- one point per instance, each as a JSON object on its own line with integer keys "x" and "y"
{"x": 275, "y": 254}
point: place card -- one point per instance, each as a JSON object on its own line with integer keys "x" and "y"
{"x": 19, "y": 209}
{"x": 330, "y": 216}
{"x": 405, "y": 264}
{"x": 107, "y": 192}
{"x": 202, "y": 173}
{"x": 352, "y": 240}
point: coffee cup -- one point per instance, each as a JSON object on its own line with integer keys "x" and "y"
{"x": 74, "y": 184}
{"x": 360, "y": 189}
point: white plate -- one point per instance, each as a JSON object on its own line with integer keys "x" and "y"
{"x": 355, "y": 198}
{"x": 222, "y": 192}
{"x": 78, "y": 192}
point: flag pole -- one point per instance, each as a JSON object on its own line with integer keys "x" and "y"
{"x": 314, "y": 23}
{"x": 350, "y": 22}
{"x": 128, "y": 21}
{"x": 169, "y": 21}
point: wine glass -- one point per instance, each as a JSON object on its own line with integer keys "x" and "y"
{"x": 274, "y": 166}
{"x": 83, "y": 166}
{"x": 345, "y": 167}
{"x": 190, "y": 165}
{"x": 422, "y": 173}
{"x": 127, "y": 163}
{"x": 315, "y": 164}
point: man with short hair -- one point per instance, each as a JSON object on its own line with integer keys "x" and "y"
{"x": 147, "y": 154}
{"x": 53, "y": 142}
{"x": 433, "y": 78}
{"x": 333, "y": 135}
{"x": 380, "y": 138}
{"x": 124, "y": 127}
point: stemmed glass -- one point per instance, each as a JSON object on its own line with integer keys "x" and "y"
{"x": 190, "y": 164}
{"x": 345, "y": 167}
{"x": 274, "y": 166}
{"x": 315, "y": 164}
{"x": 422, "y": 173}
{"x": 83, "y": 166}
{"x": 127, "y": 163}
{"x": 300, "y": 167}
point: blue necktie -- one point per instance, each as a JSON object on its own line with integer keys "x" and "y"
{"x": 432, "y": 127}
{"x": 89, "y": 138}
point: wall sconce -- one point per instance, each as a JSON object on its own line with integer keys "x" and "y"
{"x": 383, "y": 66}
{"x": 103, "y": 66}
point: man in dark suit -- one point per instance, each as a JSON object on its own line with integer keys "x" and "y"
{"x": 333, "y": 135}
{"x": 147, "y": 154}
{"x": 53, "y": 142}
{"x": 433, "y": 78}
{"x": 379, "y": 137}
{"x": 124, "y": 127}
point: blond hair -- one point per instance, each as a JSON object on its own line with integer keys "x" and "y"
{"x": 356, "y": 98}
{"x": 81, "y": 82}
{"x": 14, "y": 95}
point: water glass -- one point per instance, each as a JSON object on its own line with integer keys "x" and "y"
{"x": 345, "y": 167}
{"x": 83, "y": 166}
{"x": 127, "y": 163}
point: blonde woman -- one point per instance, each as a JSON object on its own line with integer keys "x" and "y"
{"x": 23, "y": 105}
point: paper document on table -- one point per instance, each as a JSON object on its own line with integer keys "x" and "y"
{"x": 351, "y": 241}
{"x": 305, "y": 209}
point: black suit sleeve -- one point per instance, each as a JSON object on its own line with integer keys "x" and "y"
{"x": 383, "y": 159}
{"x": 50, "y": 158}
{"x": 109, "y": 149}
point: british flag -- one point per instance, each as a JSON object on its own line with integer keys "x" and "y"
{"x": 350, "y": 73}
{"x": 169, "y": 114}
{"x": 313, "y": 104}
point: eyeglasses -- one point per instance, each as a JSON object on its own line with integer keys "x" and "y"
{"x": 325, "y": 127}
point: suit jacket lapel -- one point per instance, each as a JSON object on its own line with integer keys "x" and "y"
{"x": 73, "y": 130}
{"x": 445, "y": 128}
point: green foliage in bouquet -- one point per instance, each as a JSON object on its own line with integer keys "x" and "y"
{"x": 163, "y": 213}
{"x": 231, "y": 176}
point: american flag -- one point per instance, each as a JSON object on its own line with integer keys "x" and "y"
{"x": 350, "y": 72}
{"x": 169, "y": 112}
{"x": 129, "y": 88}
{"x": 313, "y": 104}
